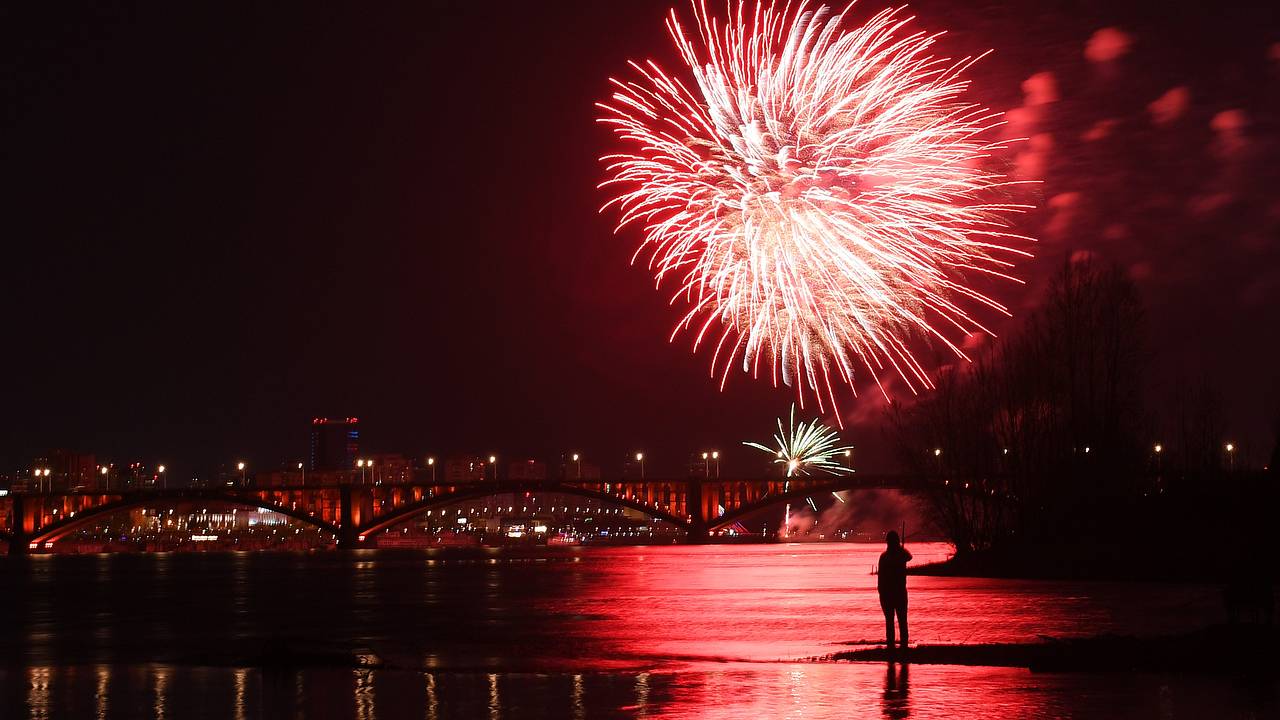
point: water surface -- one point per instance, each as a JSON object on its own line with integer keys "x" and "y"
{"x": 680, "y": 631}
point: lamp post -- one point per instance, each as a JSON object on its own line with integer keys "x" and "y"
{"x": 640, "y": 459}
{"x": 706, "y": 466}
{"x": 105, "y": 480}
{"x": 303, "y": 469}
{"x": 1231, "y": 457}
{"x": 243, "y": 479}
{"x": 431, "y": 463}
{"x": 164, "y": 481}
{"x": 577, "y": 460}
{"x": 360, "y": 464}
{"x": 493, "y": 462}
{"x": 1159, "y": 450}
{"x": 715, "y": 455}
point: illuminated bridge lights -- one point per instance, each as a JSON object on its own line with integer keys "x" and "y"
{"x": 689, "y": 505}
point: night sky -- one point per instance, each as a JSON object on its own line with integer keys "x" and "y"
{"x": 226, "y": 218}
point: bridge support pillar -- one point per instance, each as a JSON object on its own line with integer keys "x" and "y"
{"x": 18, "y": 544}
{"x": 697, "y": 530}
{"x": 348, "y": 537}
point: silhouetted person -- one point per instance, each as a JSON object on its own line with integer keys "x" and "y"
{"x": 891, "y": 581}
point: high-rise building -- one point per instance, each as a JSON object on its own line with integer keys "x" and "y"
{"x": 470, "y": 468}
{"x": 390, "y": 468}
{"x": 518, "y": 470}
{"x": 334, "y": 444}
{"x": 65, "y": 470}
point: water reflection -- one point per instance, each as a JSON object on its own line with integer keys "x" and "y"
{"x": 433, "y": 703}
{"x": 100, "y": 692}
{"x": 699, "y": 691}
{"x": 241, "y": 680}
{"x": 684, "y": 632}
{"x": 642, "y": 695}
{"x": 495, "y": 704}
{"x": 579, "y": 708}
{"x": 366, "y": 707}
{"x": 38, "y": 692}
{"x": 160, "y": 676}
{"x": 896, "y": 705}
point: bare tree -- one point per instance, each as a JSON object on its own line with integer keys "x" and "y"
{"x": 1046, "y": 423}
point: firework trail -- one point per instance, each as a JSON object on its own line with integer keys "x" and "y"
{"x": 802, "y": 448}
{"x": 816, "y": 193}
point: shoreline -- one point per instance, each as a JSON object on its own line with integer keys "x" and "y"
{"x": 1096, "y": 563}
{"x": 1218, "y": 649}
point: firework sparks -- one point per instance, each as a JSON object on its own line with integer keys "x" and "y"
{"x": 807, "y": 447}
{"x": 817, "y": 193}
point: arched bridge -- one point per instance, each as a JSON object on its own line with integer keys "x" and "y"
{"x": 351, "y": 512}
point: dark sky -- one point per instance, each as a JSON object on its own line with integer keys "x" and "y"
{"x": 225, "y": 218}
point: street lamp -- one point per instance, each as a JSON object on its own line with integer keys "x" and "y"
{"x": 1231, "y": 457}
{"x": 706, "y": 466}
{"x": 164, "y": 482}
{"x": 360, "y": 464}
{"x": 302, "y": 468}
{"x": 103, "y": 472}
{"x": 640, "y": 459}
{"x": 577, "y": 460}
{"x": 715, "y": 455}
{"x": 493, "y": 461}
{"x": 431, "y": 463}
{"x": 240, "y": 467}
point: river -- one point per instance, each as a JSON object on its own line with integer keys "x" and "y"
{"x": 711, "y": 631}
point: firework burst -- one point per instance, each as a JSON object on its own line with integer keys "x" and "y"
{"x": 817, "y": 193}
{"x": 807, "y": 447}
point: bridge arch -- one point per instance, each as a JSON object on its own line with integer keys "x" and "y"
{"x": 57, "y": 530}
{"x": 407, "y": 512}
{"x": 796, "y": 494}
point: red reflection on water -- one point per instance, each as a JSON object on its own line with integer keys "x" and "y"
{"x": 787, "y": 602}
{"x": 853, "y": 691}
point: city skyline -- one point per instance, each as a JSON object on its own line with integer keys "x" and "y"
{"x": 206, "y": 289}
